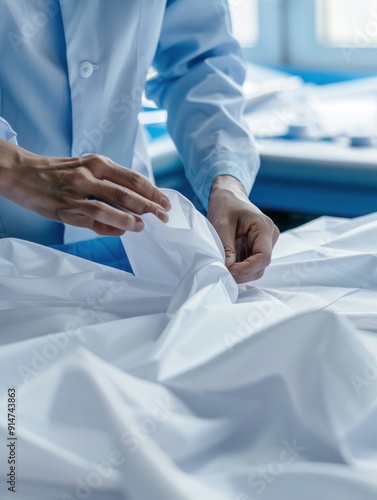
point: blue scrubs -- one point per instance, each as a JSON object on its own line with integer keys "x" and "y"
{"x": 106, "y": 250}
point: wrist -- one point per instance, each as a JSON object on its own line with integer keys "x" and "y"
{"x": 229, "y": 183}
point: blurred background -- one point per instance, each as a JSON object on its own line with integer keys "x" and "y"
{"x": 317, "y": 33}
{"x": 311, "y": 94}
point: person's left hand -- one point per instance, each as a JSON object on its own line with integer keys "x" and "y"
{"x": 248, "y": 236}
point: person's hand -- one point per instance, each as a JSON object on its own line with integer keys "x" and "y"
{"x": 248, "y": 236}
{"x": 91, "y": 191}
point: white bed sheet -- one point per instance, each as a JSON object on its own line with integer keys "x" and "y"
{"x": 177, "y": 384}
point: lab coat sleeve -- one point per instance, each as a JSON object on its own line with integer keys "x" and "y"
{"x": 6, "y": 132}
{"x": 200, "y": 74}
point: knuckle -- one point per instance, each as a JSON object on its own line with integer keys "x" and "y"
{"x": 273, "y": 227}
{"x": 68, "y": 183}
{"x": 266, "y": 261}
{"x": 268, "y": 221}
{"x": 147, "y": 207}
{"x": 80, "y": 175}
{"x": 258, "y": 275}
{"x": 95, "y": 210}
{"x": 135, "y": 179}
{"x": 95, "y": 157}
{"x": 228, "y": 249}
{"x": 121, "y": 196}
{"x": 66, "y": 216}
{"x": 91, "y": 159}
{"x": 128, "y": 222}
{"x": 95, "y": 163}
{"x": 156, "y": 195}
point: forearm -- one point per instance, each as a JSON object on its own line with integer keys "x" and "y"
{"x": 200, "y": 84}
{"x": 213, "y": 139}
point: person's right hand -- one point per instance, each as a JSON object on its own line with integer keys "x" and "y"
{"x": 85, "y": 191}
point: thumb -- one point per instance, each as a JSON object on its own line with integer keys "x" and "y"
{"x": 227, "y": 236}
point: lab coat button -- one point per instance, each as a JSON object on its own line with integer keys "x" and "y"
{"x": 86, "y": 69}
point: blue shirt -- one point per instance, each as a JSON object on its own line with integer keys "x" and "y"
{"x": 73, "y": 73}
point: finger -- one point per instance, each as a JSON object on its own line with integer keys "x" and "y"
{"x": 260, "y": 244}
{"x": 244, "y": 272}
{"x": 124, "y": 198}
{"x": 227, "y": 236}
{"x": 94, "y": 214}
{"x": 104, "y": 168}
{"x": 106, "y": 230}
{"x": 86, "y": 222}
{"x": 243, "y": 278}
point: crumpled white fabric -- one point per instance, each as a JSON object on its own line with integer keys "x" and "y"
{"x": 177, "y": 384}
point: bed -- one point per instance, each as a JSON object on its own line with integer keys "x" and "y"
{"x": 175, "y": 383}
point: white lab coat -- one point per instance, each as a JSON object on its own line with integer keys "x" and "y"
{"x": 73, "y": 73}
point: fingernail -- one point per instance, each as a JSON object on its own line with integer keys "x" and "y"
{"x": 161, "y": 214}
{"x": 165, "y": 203}
{"x": 139, "y": 225}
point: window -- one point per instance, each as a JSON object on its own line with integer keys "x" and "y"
{"x": 340, "y": 22}
{"x": 341, "y": 34}
{"x": 244, "y": 15}
{"x": 257, "y": 26}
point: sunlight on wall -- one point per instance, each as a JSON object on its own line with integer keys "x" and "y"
{"x": 245, "y": 20}
{"x": 341, "y": 22}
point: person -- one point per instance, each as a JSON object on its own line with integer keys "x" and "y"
{"x": 72, "y": 77}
